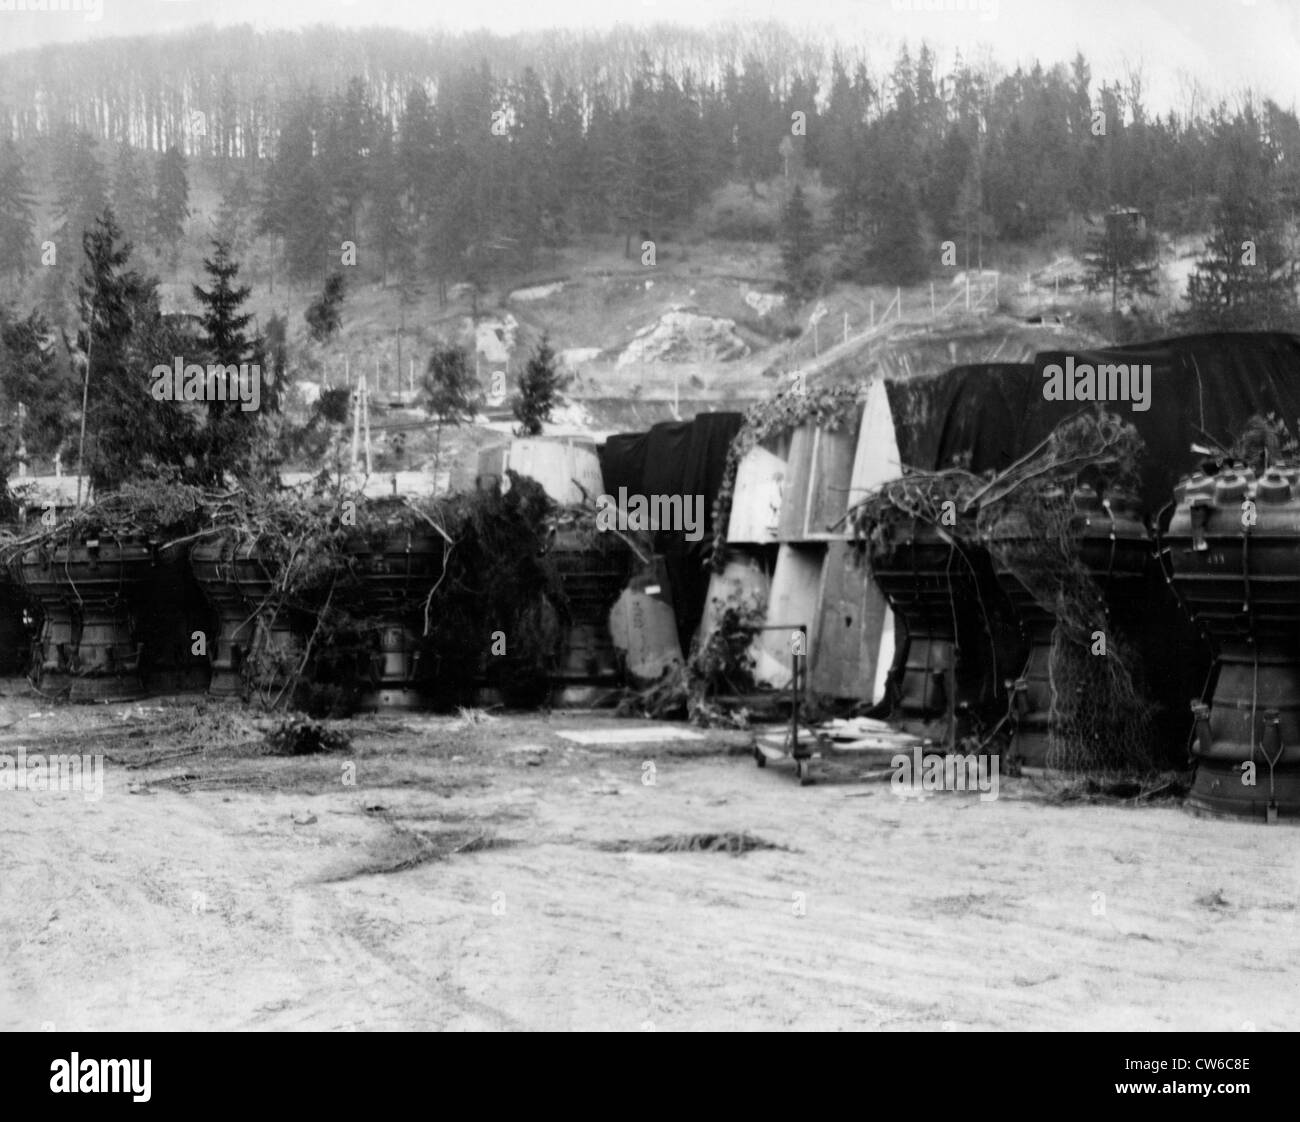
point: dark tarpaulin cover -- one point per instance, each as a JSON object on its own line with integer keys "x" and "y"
{"x": 966, "y": 411}
{"x": 622, "y": 461}
{"x": 685, "y": 458}
{"x": 1201, "y": 386}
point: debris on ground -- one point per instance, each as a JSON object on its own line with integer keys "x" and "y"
{"x": 299, "y": 737}
{"x": 730, "y": 842}
{"x": 624, "y": 734}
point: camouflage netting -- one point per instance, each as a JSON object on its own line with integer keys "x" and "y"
{"x": 1100, "y": 720}
{"x": 494, "y": 576}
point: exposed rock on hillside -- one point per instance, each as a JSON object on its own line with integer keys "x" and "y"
{"x": 682, "y": 336}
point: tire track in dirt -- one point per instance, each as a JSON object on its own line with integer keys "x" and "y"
{"x": 884, "y": 913}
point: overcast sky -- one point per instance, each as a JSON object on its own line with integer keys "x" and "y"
{"x": 1227, "y": 45}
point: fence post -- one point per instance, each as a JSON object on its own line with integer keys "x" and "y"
{"x": 932, "y": 299}
{"x": 968, "y": 290}
{"x": 898, "y": 303}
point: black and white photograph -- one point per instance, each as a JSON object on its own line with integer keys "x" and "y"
{"x": 651, "y": 516}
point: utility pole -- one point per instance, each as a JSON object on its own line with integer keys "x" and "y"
{"x": 356, "y": 424}
{"x": 401, "y": 326}
{"x": 22, "y": 442}
{"x": 365, "y": 409}
{"x": 85, "y": 393}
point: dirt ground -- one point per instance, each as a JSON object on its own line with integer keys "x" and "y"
{"x": 495, "y": 876}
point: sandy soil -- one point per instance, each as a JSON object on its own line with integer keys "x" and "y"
{"x": 480, "y": 878}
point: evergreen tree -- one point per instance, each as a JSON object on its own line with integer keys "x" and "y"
{"x": 571, "y": 158}
{"x": 228, "y": 432}
{"x": 648, "y": 189}
{"x": 297, "y": 200}
{"x": 450, "y": 393}
{"x": 323, "y": 314}
{"x": 273, "y": 355}
{"x": 130, "y": 196}
{"x": 122, "y": 337}
{"x": 532, "y": 173}
{"x": 309, "y": 243}
{"x": 846, "y": 144}
{"x": 539, "y": 386}
{"x": 416, "y": 144}
{"x": 294, "y": 148}
{"x": 798, "y": 247}
{"x": 82, "y": 194}
{"x": 898, "y": 252}
{"x": 387, "y": 212}
{"x": 17, "y": 220}
{"x": 170, "y": 198}
{"x": 759, "y": 126}
{"x": 348, "y": 140}
{"x": 975, "y": 222}
{"x": 1123, "y": 256}
{"x": 1247, "y": 278}
{"x": 223, "y": 322}
{"x": 32, "y": 375}
{"x": 233, "y": 215}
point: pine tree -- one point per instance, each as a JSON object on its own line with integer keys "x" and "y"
{"x": 296, "y": 203}
{"x": 532, "y": 170}
{"x": 1121, "y": 256}
{"x": 1247, "y": 279}
{"x": 798, "y": 247}
{"x": 171, "y": 198}
{"x": 539, "y": 386}
{"x": 130, "y": 197}
{"x": 387, "y": 214}
{"x": 898, "y": 253}
{"x": 322, "y": 315}
{"x": 349, "y": 138}
{"x": 273, "y": 355}
{"x": 33, "y": 375}
{"x": 232, "y": 216}
{"x": 976, "y": 225}
{"x": 123, "y": 335}
{"x": 308, "y": 237}
{"x": 223, "y": 322}
{"x": 17, "y": 220}
{"x": 229, "y": 429}
{"x": 82, "y": 194}
{"x": 449, "y": 392}
{"x": 416, "y": 143}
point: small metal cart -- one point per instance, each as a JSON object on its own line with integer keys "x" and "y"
{"x": 794, "y": 749}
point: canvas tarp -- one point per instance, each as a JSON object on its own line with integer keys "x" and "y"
{"x": 1201, "y": 386}
{"x": 685, "y": 458}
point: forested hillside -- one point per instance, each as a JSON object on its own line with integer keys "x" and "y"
{"x": 378, "y": 192}
{"x": 456, "y": 155}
